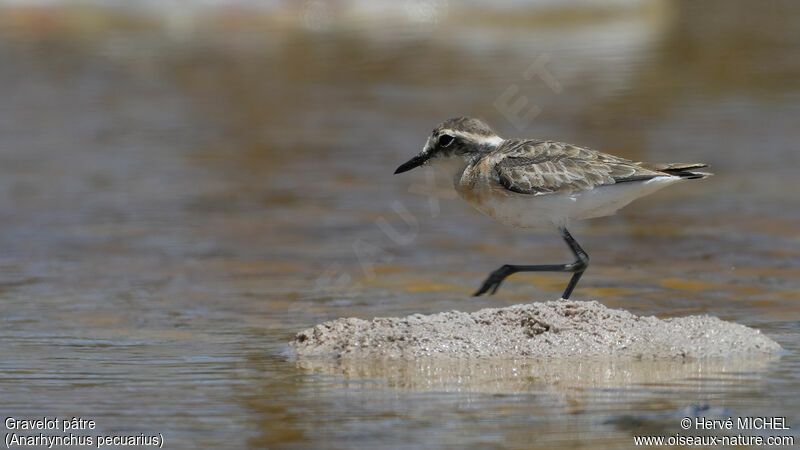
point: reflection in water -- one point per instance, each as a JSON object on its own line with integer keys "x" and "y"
{"x": 570, "y": 377}
{"x": 526, "y": 404}
{"x": 183, "y": 190}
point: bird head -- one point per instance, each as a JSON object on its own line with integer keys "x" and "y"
{"x": 454, "y": 143}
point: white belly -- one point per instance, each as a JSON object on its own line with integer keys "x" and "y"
{"x": 535, "y": 211}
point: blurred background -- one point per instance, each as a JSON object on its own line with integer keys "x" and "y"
{"x": 186, "y": 184}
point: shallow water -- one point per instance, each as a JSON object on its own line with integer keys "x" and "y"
{"x": 180, "y": 197}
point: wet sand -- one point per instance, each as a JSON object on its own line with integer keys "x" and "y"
{"x": 553, "y": 329}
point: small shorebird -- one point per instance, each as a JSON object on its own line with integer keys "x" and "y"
{"x": 531, "y": 183}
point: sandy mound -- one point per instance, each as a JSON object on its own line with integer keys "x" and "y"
{"x": 555, "y": 329}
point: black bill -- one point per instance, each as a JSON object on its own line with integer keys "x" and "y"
{"x": 412, "y": 163}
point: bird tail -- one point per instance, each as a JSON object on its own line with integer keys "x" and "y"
{"x": 683, "y": 170}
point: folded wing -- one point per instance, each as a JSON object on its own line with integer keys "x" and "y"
{"x": 544, "y": 167}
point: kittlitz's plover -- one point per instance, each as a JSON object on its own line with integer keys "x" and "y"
{"x": 531, "y": 183}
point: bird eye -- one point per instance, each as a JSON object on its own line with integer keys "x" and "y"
{"x": 445, "y": 140}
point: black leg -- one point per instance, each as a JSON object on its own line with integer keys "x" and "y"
{"x": 576, "y": 268}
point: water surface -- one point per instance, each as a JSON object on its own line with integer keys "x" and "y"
{"x": 181, "y": 196}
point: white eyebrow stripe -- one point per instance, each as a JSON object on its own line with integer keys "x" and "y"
{"x": 493, "y": 141}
